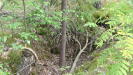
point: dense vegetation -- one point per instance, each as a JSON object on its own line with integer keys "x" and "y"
{"x": 68, "y": 37}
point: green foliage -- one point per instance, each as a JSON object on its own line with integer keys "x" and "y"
{"x": 64, "y": 68}
{"x": 13, "y": 60}
{"x": 117, "y": 58}
{"x": 38, "y": 21}
{"x": 90, "y": 24}
{"x": 27, "y": 36}
{"x": 114, "y": 60}
{"x": 41, "y": 17}
{"x": 3, "y": 70}
{"x": 82, "y": 16}
{"x": 9, "y": 63}
{"x": 119, "y": 18}
{"x": 44, "y": 22}
{"x": 105, "y": 36}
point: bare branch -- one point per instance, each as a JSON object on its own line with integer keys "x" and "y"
{"x": 24, "y": 68}
{"x": 80, "y": 52}
{"x": 37, "y": 61}
{"x": 77, "y": 42}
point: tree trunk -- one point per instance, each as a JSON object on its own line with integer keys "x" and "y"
{"x": 63, "y": 37}
{"x": 24, "y": 10}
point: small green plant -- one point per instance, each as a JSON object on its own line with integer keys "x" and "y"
{"x": 117, "y": 58}
{"x": 64, "y": 68}
{"x": 3, "y": 71}
{"x": 41, "y": 20}
{"x": 13, "y": 60}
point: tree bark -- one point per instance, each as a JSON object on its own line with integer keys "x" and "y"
{"x": 24, "y": 10}
{"x": 63, "y": 37}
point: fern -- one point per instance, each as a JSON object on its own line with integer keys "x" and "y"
{"x": 118, "y": 57}
{"x": 116, "y": 60}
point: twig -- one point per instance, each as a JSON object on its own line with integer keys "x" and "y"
{"x": 24, "y": 68}
{"x": 77, "y": 42}
{"x": 80, "y": 52}
{"x": 36, "y": 59}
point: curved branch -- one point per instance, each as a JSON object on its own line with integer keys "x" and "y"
{"x": 80, "y": 52}
{"x": 34, "y": 53}
{"x": 78, "y": 42}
